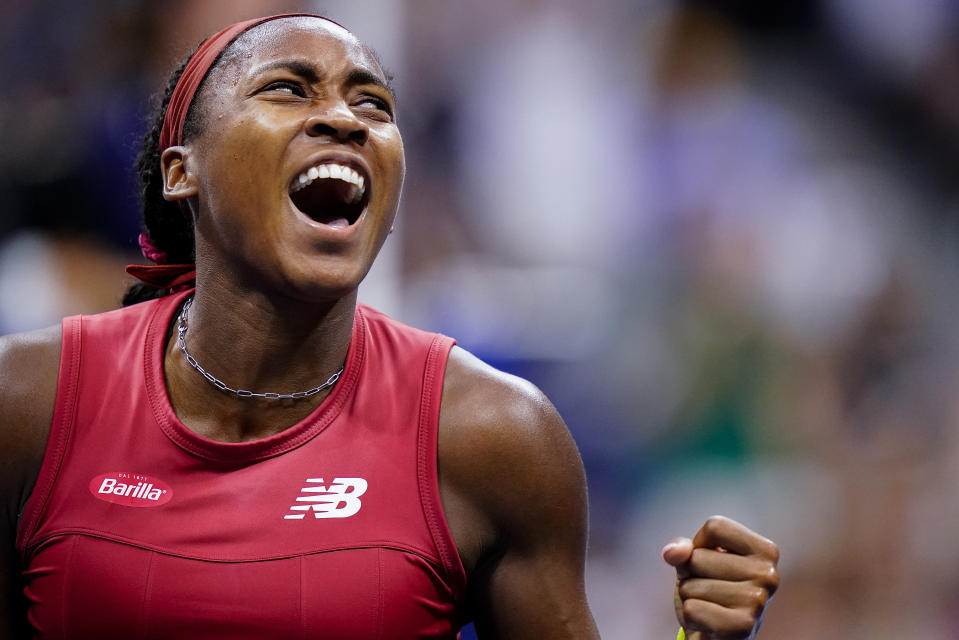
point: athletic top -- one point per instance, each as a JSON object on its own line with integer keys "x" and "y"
{"x": 140, "y": 528}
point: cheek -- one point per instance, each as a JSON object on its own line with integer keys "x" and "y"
{"x": 393, "y": 159}
{"x": 234, "y": 202}
{"x": 401, "y": 168}
{"x": 240, "y": 170}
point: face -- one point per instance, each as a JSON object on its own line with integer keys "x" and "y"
{"x": 296, "y": 174}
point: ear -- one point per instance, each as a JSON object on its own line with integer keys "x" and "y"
{"x": 178, "y": 182}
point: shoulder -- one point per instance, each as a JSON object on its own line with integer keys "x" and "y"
{"x": 508, "y": 465}
{"x": 29, "y": 368}
{"x": 29, "y": 365}
{"x": 502, "y": 412}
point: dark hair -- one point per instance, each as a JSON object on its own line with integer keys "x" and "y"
{"x": 165, "y": 222}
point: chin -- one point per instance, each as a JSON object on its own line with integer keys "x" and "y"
{"x": 324, "y": 285}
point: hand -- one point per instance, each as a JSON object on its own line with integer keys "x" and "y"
{"x": 725, "y": 576}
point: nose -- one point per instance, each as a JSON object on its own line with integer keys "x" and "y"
{"x": 339, "y": 123}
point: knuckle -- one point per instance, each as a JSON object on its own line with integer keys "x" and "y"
{"x": 770, "y": 579}
{"x": 714, "y": 524}
{"x": 743, "y": 623}
{"x": 758, "y": 599}
{"x": 774, "y": 553}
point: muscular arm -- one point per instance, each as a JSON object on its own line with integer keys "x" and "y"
{"x": 514, "y": 491}
{"x": 29, "y": 366}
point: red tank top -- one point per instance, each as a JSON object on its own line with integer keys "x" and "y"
{"x": 140, "y": 528}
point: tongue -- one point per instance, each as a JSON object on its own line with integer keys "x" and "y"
{"x": 339, "y": 223}
{"x": 328, "y": 202}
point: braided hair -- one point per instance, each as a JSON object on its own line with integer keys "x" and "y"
{"x": 169, "y": 230}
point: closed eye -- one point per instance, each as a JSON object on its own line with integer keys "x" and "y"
{"x": 373, "y": 102}
{"x": 288, "y": 87}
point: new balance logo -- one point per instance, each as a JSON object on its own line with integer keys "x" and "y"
{"x": 339, "y": 500}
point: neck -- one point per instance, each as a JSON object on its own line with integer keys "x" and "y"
{"x": 251, "y": 340}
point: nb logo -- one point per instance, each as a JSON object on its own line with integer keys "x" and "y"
{"x": 339, "y": 500}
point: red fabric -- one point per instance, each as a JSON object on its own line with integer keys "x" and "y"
{"x": 177, "y": 277}
{"x": 215, "y": 556}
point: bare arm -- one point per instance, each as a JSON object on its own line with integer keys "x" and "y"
{"x": 514, "y": 492}
{"x": 29, "y": 365}
{"x": 515, "y": 495}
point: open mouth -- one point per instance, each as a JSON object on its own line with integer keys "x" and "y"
{"x": 330, "y": 193}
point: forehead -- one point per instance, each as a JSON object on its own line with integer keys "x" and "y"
{"x": 325, "y": 44}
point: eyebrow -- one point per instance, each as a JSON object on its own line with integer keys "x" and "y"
{"x": 305, "y": 70}
{"x": 311, "y": 74}
{"x": 364, "y": 76}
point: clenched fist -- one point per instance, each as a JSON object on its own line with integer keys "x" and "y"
{"x": 725, "y": 576}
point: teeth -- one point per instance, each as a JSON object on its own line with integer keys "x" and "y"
{"x": 331, "y": 170}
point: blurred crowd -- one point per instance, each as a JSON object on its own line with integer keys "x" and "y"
{"x": 722, "y": 237}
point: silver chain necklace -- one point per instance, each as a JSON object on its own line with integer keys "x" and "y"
{"x": 182, "y": 324}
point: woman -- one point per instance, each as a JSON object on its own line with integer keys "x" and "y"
{"x": 263, "y": 457}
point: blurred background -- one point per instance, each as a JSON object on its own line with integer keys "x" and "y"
{"x": 721, "y": 236}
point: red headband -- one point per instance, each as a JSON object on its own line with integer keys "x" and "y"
{"x": 197, "y": 68}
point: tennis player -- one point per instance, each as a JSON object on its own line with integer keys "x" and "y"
{"x": 244, "y": 451}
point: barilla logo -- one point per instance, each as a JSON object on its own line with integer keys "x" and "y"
{"x": 131, "y": 489}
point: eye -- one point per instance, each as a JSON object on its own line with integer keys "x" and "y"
{"x": 375, "y": 103}
{"x": 287, "y": 87}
